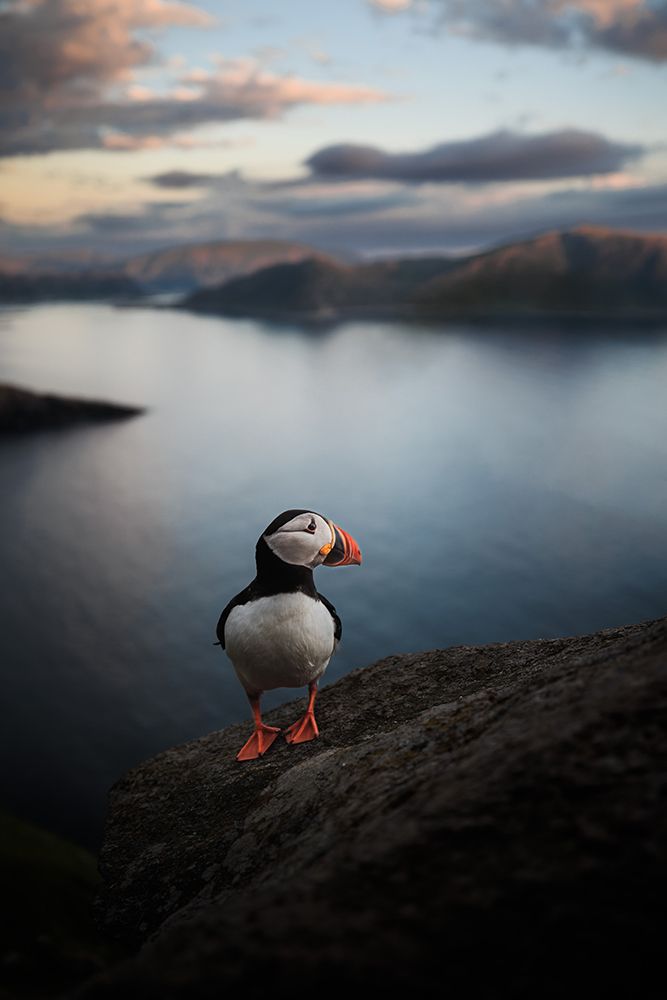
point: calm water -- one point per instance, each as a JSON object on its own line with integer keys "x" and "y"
{"x": 502, "y": 484}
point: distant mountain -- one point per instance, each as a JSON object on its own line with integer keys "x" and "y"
{"x": 180, "y": 269}
{"x": 18, "y": 286}
{"x": 584, "y": 271}
{"x": 320, "y": 288}
{"x": 13, "y": 265}
{"x": 63, "y": 262}
{"x": 185, "y": 268}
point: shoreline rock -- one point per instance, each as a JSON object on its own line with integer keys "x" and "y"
{"x": 490, "y": 818}
{"x": 22, "y": 411}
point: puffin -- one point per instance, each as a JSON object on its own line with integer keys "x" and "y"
{"x": 279, "y": 631}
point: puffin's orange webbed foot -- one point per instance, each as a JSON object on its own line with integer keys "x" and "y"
{"x": 303, "y": 730}
{"x": 259, "y": 742}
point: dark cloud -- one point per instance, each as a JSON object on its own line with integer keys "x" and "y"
{"x": 643, "y": 36}
{"x": 57, "y": 56}
{"x": 636, "y": 28}
{"x": 66, "y": 79}
{"x": 55, "y": 52}
{"x": 501, "y": 156}
{"x": 181, "y": 179}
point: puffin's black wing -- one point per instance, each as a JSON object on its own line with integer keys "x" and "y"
{"x": 242, "y": 598}
{"x": 338, "y": 625}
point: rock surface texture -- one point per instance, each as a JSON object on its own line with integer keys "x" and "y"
{"x": 490, "y": 819}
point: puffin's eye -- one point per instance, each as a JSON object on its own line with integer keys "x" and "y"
{"x": 312, "y": 528}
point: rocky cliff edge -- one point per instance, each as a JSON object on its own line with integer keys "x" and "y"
{"x": 490, "y": 819}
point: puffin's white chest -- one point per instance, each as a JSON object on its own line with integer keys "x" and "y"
{"x": 285, "y": 640}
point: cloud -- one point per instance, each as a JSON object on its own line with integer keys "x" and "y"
{"x": 361, "y": 218}
{"x": 60, "y": 55}
{"x": 251, "y": 91}
{"x": 500, "y": 156}
{"x": 56, "y": 53}
{"x": 148, "y": 220}
{"x": 635, "y": 28}
{"x": 443, "y": 221}
{"x": 123, "y": 142}
{"x": 295, "y": 199}
{"x": 391, "y": 6}
{"x": 181, "y": 179}
{"x": 67, "y": 79}
{"x": 328, "y": 203}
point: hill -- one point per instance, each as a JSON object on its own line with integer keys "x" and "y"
{"x": 199, "y": 265}
{"x": 321, "y": 289}
{"x": 178, "y": 269}
{"x": 584, "y": 272}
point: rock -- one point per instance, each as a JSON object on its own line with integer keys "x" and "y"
{"x": 21, "y": 410}
{"x": 490, "y": 819}
{"x": 48, "y": 942}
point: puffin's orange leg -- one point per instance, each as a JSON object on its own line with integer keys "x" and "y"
{"x": 306, "y": 728}
{"x": 261, "y": 739}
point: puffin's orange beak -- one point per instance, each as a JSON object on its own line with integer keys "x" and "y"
{"x": 344, "y": 550}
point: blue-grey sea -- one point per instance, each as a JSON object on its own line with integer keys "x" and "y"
{"x": 503, "y": 483}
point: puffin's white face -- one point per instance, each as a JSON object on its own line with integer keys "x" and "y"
{"x": 306, "y": 540}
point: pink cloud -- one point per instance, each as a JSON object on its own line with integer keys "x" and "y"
{"x": 61, "y": 51}
{"x": 67, "y": 79}
{"x": 244, "y": 84}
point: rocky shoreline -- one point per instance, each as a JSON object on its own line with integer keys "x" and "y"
{"x": 22, "y": 410}
{"x": 482, "y": 818}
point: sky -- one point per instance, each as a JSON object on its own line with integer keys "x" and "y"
{"x": 364, "y": 127}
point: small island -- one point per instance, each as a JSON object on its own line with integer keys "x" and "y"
{"x": 22, "y": 410}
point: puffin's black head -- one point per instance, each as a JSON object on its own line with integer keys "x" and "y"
{"x": 305, "y": 538}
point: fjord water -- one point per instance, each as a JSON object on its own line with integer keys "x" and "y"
{"x": 503, "y": 483}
